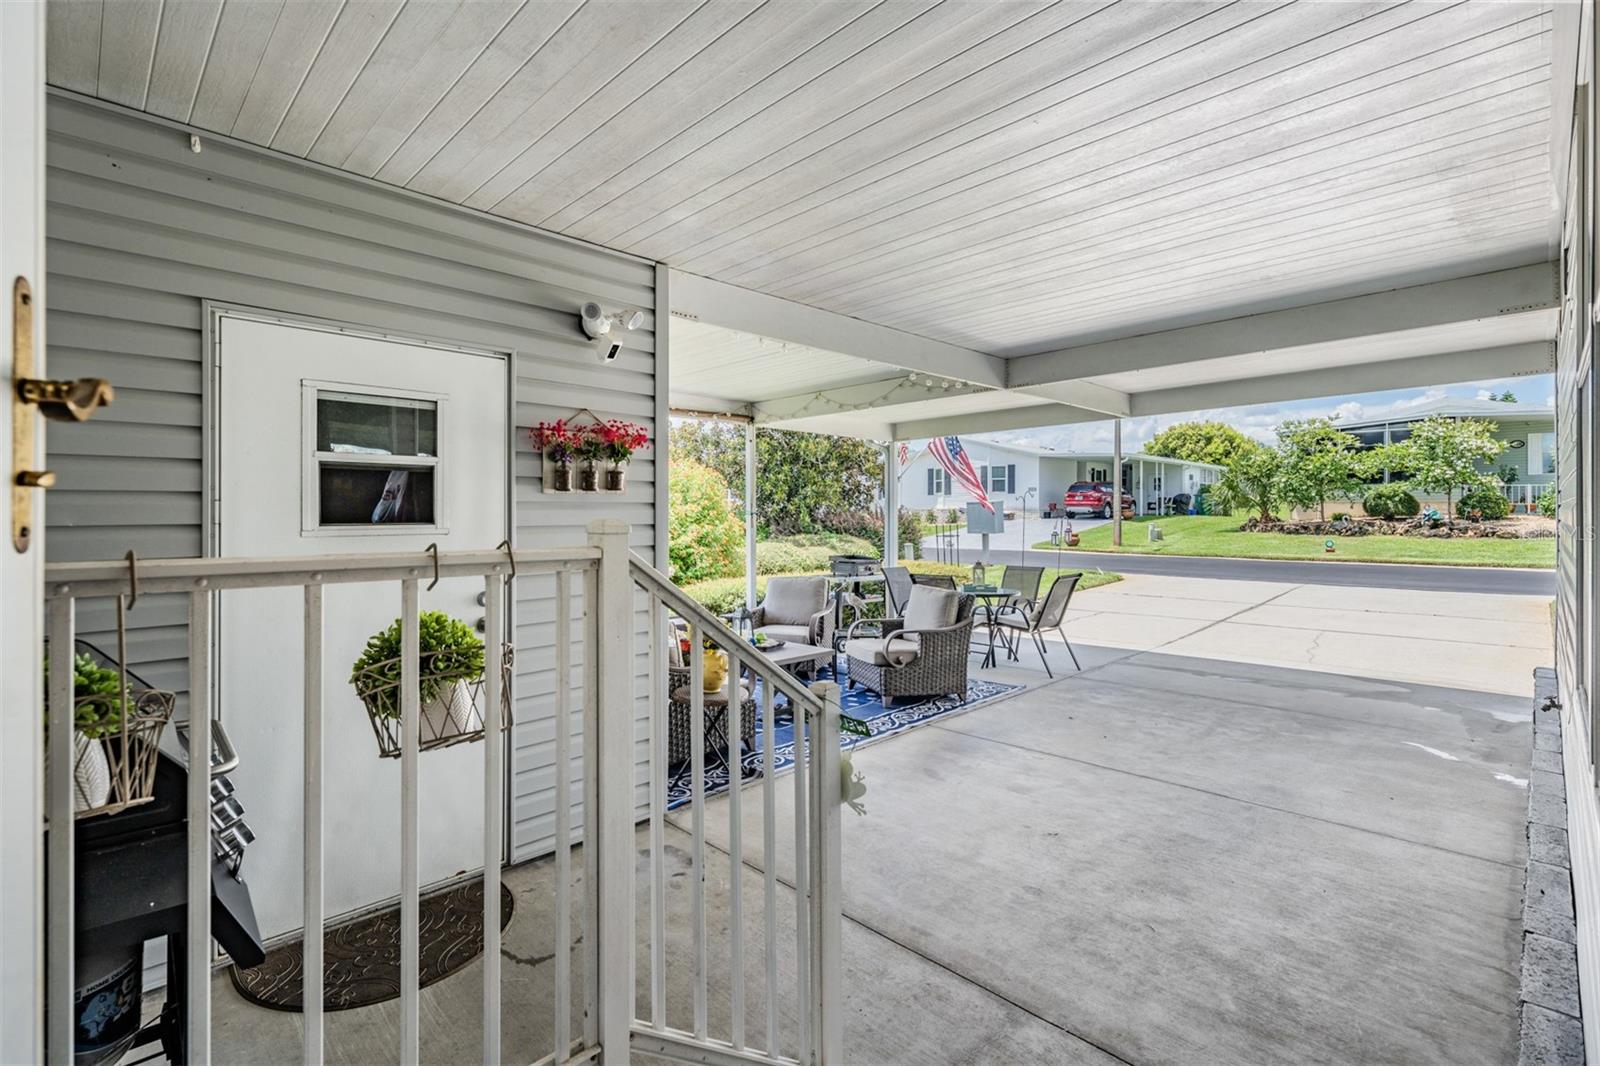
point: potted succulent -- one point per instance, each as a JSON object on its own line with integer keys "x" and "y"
{"x": 112, "y": 761}
{"x": 451, "y": 663}
{"x": 558, "y": 440}
{"x": 618, "y": 441}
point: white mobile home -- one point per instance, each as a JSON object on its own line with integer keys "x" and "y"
{"x": 1036, "y": 479}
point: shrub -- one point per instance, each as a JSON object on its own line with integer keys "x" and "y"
{"x": 952, "y": 517}
{"x": 705, "y": 537}
{"x": 838, "y": 543}
{"x": 773, "y": 557}
{"x": 1485, "y": 503}
{"x": 1546, "y": 502}
{"x": 932, "y": 517}
{"x": 1339, "y": 516}
{"x": 1390, "y": 501}
{"x": 723, "y": 594}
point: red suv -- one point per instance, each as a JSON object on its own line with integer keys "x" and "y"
{"x": 1093, "y": 498}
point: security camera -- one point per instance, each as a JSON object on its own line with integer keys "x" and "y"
{"x": 596, "y": 323}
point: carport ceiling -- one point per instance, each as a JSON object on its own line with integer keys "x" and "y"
{"x": 1007, "y": 178}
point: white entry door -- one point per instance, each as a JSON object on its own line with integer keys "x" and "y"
{"x": 336, "y": 442}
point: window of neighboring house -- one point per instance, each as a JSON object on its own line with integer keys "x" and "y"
{"x": 938, "y": 481}
{"x": 1541, "y": 453}
{"x": 1002, "y": 479}
{"x": 1099, "y": 474}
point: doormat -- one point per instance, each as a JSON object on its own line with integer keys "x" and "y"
{"x": 361, "y": 959}
{"x": 859, "y": 703}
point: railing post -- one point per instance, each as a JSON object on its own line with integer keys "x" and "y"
{"x": 826, "y": 895}
{"x": 612, "y": 764}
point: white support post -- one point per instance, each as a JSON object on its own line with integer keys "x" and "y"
{"x": 312, "y": 890}
{"x": 827, "y": 1001}
{"x": 493, "y": 808}
{"x": 410, "y": 904}
{"x": 59, "y": 802}
{"x": 197, "y": 968}
{"x": 750, "y": 514}
{"x": 1116, "y": 482}
{"x": 891, "y": 505}
{"x": 613, "y": 765}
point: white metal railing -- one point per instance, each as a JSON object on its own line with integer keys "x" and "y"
{"x": 611, "y": 577}
{"x": 1524, "y": 495}
{"x": 815, "y": 968}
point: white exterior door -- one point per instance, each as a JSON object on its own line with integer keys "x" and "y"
{"x": 21, "y": 577}
{"x": 334, "y": 442}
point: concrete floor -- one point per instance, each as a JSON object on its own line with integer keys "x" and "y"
{"x": 1173, "y": 856}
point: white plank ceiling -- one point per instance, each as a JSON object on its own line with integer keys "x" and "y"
{"x": 1011, "y": 177}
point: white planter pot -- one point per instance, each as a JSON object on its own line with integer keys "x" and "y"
{"x": 91, "y": 773}
{"x": 448, "y": 713}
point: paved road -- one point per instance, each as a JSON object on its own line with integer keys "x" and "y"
{"x": 1504, "y": 581}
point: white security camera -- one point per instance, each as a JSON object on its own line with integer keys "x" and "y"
{"x": 597, "y": 324}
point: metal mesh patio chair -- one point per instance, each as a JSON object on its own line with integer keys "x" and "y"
{"x": 1049, "y": 614}
{"x": 938, "y": 581}
{"x": 898, "y": 582}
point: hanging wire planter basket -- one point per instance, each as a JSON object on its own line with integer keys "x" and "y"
{"x": 117, "y": 734}
{"x": 452, "y": 701}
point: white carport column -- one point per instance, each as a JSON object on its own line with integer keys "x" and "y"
{"x": 891, "y": 504}
{"x": 1116, "y": 482}
{"x": 750, "y": 514}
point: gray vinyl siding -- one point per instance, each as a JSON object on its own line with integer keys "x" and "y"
{"x": 141, "y": 231}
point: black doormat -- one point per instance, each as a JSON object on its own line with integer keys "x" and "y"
{"x": 361, "y": 959}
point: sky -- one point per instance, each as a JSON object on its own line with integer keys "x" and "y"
{"x": 1258, "y": 420}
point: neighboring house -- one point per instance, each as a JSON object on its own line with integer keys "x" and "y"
{"x": 1037, "y": 478}
{"x": 1528, "y": 431}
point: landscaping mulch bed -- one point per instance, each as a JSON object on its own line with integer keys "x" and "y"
{"x": 1519, "y": 527}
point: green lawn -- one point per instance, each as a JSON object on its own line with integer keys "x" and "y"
{"x": 1219, "y": 536}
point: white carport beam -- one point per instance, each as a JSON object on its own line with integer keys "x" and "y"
{"x": 721, "y": 304}
{"x": 848, "y": 399}
{"x": 1481, "y": 296}
{"x": 1047, "y": 414}
{"x": 1502, "y": 361}
{"x": 1084, "y": 394}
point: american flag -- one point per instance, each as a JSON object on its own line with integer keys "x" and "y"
{"x": 905, "y": 454}
{"x": 949, "y": 453}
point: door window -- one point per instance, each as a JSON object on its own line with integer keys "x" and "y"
{"x": 372, "y": 460}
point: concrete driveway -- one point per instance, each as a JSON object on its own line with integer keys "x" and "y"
{"x": 1265, "y": 824}
{"x": 1483, "y": 643}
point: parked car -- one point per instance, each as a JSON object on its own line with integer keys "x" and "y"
{"x": 1093, "y": 497}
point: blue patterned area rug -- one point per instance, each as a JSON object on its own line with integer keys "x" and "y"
{"x": 866, "y": 706}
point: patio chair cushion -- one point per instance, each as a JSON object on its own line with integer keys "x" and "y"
{"x": 793, "y": 634}
{"x": 902, "y": 650}
{"x": 792, "y": 601}
{"x": 931, "y": 608}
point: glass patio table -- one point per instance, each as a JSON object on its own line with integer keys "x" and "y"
{"x": 991, "y": 598}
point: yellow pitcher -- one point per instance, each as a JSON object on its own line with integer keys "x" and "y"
{"x": 716, "y": 669}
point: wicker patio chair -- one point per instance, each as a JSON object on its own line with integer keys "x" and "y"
{"x": 795, "y": 609}
{"x": 921, "y": 654}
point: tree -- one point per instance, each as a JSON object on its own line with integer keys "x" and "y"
{"x": 705, "y": 539}
{"x": 1505, "y": 397}
{"x": 1200, "y": 442}
{"x": 1254, "y": 482}
{"x": 1442, "y": 455}
{"x": 1319, "y": 460}
{"x": 800, "y": 477}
